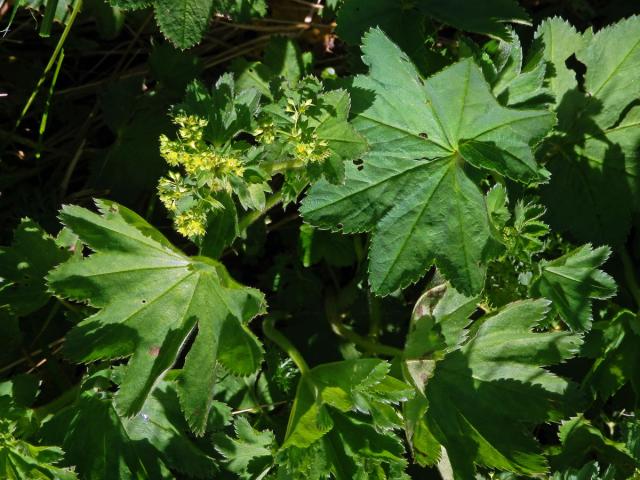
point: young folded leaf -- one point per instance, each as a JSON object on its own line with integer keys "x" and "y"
{"x": 572, "y": 281}
{"x": 151, "y": 297}
{"x": 248, "y": 455}
{"x": 322, "y": 416}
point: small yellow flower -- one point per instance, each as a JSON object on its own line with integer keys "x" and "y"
{"x": 191, "y": 224}
{"x": 314, "y": 151}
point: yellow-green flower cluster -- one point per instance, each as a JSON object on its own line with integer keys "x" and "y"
{"x": 193, "y": 154}
{"x": 191, "y": 223}
{"x": 314, "y": 150}
{"x": 266, "y": 133}
{"x": 189, "y": 195}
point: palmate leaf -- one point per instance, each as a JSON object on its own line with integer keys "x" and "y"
{"x": 595, "y": 185}
{"x": 104, "y": 445}
{"x": 23, "y": 267}
{"x": 572, "y": 281}
{"x": 483, "y": 397}
{"x": 151, "y": 297}
{"x": 594, "y": 161}
{"x": 412, "y": 190}
{"x": 322, "y": 418}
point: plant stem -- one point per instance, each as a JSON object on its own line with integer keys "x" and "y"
{"x": 279, "y": 167}
{"x": 343, "y": 331}
{"x": 250, "y": 218}
{"x": 630, "y": 276}
{"x": 268, "y": 327}
{"x": 52, "y": 62}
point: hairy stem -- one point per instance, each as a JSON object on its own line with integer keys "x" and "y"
{"x": 268, "y": 327}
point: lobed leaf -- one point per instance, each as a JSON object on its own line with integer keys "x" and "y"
{"x": 151, "y": 298}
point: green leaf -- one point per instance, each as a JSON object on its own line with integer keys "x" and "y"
{"x": 344, "y": 142}
{"x": 559, "y": 41}
{"x": 591, "y": 471}
{"x": 594, "y": 160}
{"x": 418, "y": 208}
{"x": 23, "y": 267}
{"x": 183, "y": 21}
{"x": 222, "y": 228}
{"x": 438, "y": 324}
{"x": 151, "y": 297}
{"x": 352, "y": 449}
{"x": 282, "y": 59}
{"x": 104, "y": 445}
{"x": 488, "y": 17}
{"x": 513, "y": 82}
{"x": 612, "y": 58}
{"x": 596, "y": 182}
{"x": 400, "y": 20}
{"x": 227, "y": 109}
{"x": 613, "y": 344}
{"x": 324, "y": 435}
{"x": 345, "y": 386}
{"x": 572, "y": 281}
{"x": 21, "y": 460}
{"x": 500, "y": 364}
{"x": 525, "y": 237}
{"x": 582, "y": 441}
{"x": 425, "y": 448}
{"x": 250, "y": 453}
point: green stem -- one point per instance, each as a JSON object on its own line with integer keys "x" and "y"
{"x": 250, "y": 218}
{"x": 340, "y": 329}
{"x": 47, "y": 106}
{"x": 268, "y": 327}
{"x": 630, "y": 276}
{"x": 52, "y": 62}
{"x": 279, "y": 167}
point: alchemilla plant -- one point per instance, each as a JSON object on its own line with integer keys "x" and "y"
{"x": 412, "y": 255}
